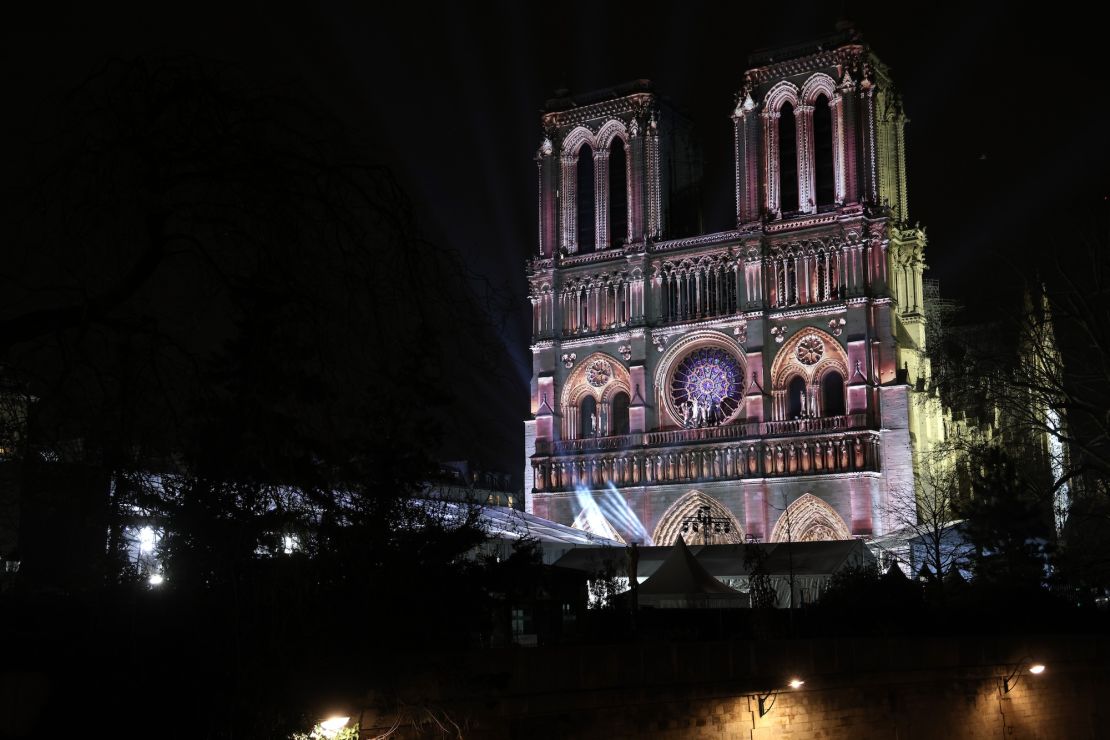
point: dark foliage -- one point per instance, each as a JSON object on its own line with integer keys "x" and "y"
{"x": 231, "y": 329}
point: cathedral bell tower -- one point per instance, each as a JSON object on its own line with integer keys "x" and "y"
{"x": 764, "y": 371}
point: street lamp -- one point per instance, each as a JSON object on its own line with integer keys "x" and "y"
{"x": 707, "y": 522}
{"x": 764, "y": 707}
{"x": 1011, "y": 680}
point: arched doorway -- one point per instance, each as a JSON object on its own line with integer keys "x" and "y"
{"x": 809, "y": 519}
{"x": 685, "y": 510}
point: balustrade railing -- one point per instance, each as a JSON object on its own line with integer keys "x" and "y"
{"x": 748, "y": 450}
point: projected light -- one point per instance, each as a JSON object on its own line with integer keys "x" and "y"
{"x": 146, "y": 539}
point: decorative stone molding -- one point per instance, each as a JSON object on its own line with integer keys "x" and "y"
{"x": 836, "y": 326}
{"x": 598, "y": 373}
{"x": 810, "y": 350}
{"x": 660, "y": 343}
{"x": 779, "y": 333}
{"x": 625, "y": 351}
{"x": 568, "y": 359}
{"x": 741, "y": 334}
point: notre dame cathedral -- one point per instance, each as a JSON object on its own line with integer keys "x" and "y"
{"x": 760, "y": 375}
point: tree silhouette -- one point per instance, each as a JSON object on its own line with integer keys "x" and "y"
{"x": 230, "y": 326}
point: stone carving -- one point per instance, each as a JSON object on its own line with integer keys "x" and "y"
{"x": 810, "y": 350}
{"x": 568, "y": 360}
{"x": 741, "y": 334}
{"x": 625, "y": 351}
{"x": 836, "y": 326}
{"x": 660, "y": 343}
{"x": 598, "y": 373}
{"x": 779, "y": 333}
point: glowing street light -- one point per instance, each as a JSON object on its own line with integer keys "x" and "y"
{"x": 1010, "y": 681}
{"x": 764, "y": 707}
{"x": 156, "y": 579}
{"x": 332, "y": 725}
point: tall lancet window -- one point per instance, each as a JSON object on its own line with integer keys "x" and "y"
{"x": 620, "y": 407}
{"x": 823, "y": 152}
{"x": 796, "y": 398}
{"x": 588, "y": 420}
{"x": 788, "y": 160}
{"x": 585, "y": 195}
{"x": 832, "y": 394}
{"x": 618, "y": 193}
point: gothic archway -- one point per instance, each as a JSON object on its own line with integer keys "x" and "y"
{"x": 685, "y": 508}
{"x": 809, "y": 519}
{"x": 811, "y": 355}
{"x": 601, "y": 377}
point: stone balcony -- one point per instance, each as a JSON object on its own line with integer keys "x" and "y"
{"x": 828, "y": 445}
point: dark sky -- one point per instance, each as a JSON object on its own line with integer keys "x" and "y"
{"x": 1007, "y": 144}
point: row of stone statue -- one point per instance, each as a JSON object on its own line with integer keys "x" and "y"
{"x": 696, "y": 414}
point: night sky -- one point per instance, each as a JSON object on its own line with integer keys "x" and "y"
{"x": 1006, "y": 152}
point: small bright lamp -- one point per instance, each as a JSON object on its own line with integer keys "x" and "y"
{"x": 156, "y": 579}
{"x": 332, "y": 725}
{"x": 1010, "y": 681}
{"x": 764, "y": 707}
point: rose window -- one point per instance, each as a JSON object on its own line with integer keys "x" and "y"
{"x": 810, "y": 350}
{"x": 598, "y": 373}
{"x": 708, "y": 381}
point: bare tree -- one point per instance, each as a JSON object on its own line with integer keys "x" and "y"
{"x": 926, "y": 518}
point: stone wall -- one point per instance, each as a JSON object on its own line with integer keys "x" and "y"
{"x": 854, "y": 688}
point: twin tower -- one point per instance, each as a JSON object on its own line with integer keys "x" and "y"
{"x": 764, "y": 375}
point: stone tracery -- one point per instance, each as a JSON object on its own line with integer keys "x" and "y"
{"x": 809, "y": 519}
{"x": 670, "y": 524}
{"x": 702, "y": 366}
{"x": 801, "y": 366}
{"x": 599, "y": 377}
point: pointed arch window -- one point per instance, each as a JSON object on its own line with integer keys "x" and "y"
{"x": 585, "y": 195}
{"x": 795, "y": 397}
{"x": 618, "y": 193}
{"x": 619, "y": 408}
{"x": 823, "y": 152}
{"x": 587, "y": 418}
{"x": 788, "y": 160}
{"x": 832, "y": 394}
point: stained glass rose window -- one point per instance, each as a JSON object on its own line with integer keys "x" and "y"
{"x": 711, "y": 378}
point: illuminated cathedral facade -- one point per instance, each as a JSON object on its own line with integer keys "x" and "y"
{"x": 760, "y": 375}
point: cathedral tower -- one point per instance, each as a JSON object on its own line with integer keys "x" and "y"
{"x": 766, "y": 372}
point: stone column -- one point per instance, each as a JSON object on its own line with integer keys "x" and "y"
{"x": 601, "y": 199}
{"x": 569, "y": 238}
{"x": 807, "y": 198}
{"x": 547, "y": 173}
{"x": 771, "y": 159}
